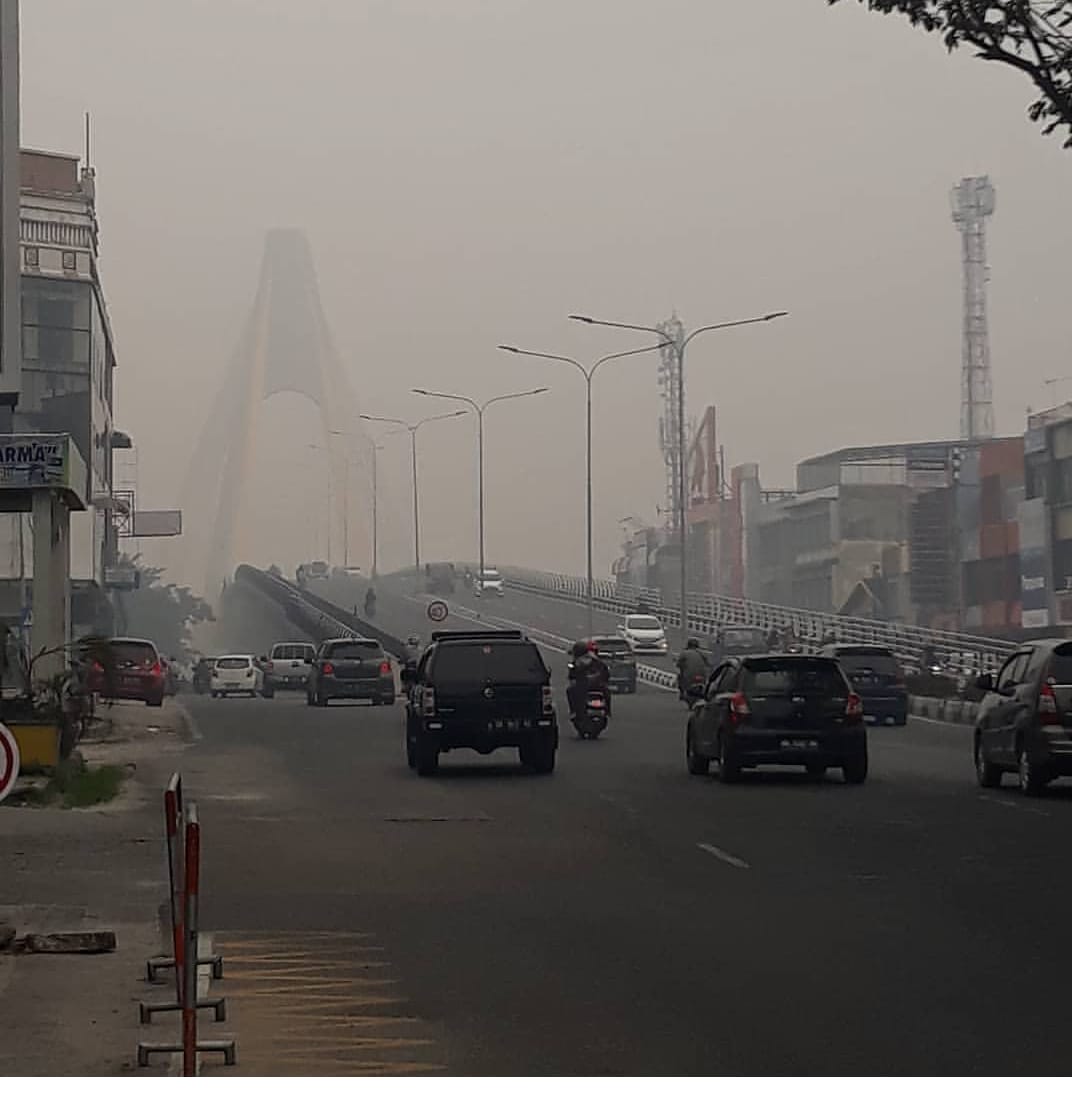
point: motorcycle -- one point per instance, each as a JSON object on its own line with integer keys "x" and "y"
{"x": 592, "y": 720}
{"x": 694, "y": 690}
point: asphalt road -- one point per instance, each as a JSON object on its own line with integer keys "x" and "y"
{"x": 621, "y": 917}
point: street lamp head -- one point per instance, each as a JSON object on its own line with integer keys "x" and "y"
{"x": 420, "y": 391}
{"x": 509, "y": 348}
{"x": 775, "y": 315}
{"x": 582, "y": 318}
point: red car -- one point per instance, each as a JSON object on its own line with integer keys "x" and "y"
{"x": 133, "y": 670}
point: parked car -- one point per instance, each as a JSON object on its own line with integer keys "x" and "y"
{"x": 287, "y": 666}
{"x": 779, "y": 709}
{"x": 643, "y": 634}
{"x": 620, "y": 661}
{"x": 1024, "y": 723}
{"x": 129, "y": 668}
{"x": 480, "y": 689}
{"x": 351, "y": 668}
{"x": 489, "y": 582}
{"x": 236, "y": 673}
{"x": 876, "y": 676}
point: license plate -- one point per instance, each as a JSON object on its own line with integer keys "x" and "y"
{"x": 232, "y": 686}
{"x": 507, "y": 724}
{"x": 796, "y": 744}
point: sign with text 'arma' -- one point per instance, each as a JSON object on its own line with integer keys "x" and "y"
{"x": 35, "y": 460}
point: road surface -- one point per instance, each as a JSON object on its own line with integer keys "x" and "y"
{"x": 621, "y": 916}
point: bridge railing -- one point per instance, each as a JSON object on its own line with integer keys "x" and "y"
{"x": 709, "y": 613}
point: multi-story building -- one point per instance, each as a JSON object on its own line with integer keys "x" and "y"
{"x": 68, "y": 363}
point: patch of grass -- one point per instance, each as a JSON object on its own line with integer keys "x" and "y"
{"x": 86, "y": 787}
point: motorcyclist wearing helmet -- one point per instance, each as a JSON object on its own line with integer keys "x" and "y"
{"x": 692, "y": 662}
{"x": 587, "y": 672}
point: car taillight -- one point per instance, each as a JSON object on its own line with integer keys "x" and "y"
{"x": 157, "y": 668}
{"x": 738, "y": 708}
{"x": 1047, "y": 705}
{"x": 854, "y": 708}
{"x": 548, "y": 700}
{"x": 249, "y": 673}
{"x": 385, "y": 667}
{"x": 428, "y": 701}
{"x": 327, "y": 669}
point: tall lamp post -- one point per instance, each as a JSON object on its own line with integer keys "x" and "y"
{"x": 479, "y": 408}
{"x": 589, "y": 374}
{"x": 413, "y": 428}
{"x": 679, "y": 345}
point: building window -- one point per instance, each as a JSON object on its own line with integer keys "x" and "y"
{"x": 33, "y": 256}
{"x": 68, "y": 260}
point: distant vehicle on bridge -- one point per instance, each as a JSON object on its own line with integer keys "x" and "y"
{"x": 439, "y": 578}
{"x": 312, "y": 571}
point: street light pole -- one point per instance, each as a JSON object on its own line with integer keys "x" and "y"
{"x": 375, "y": 513}
{"x": 479, "y": 409}
{"x": 413, "y": 428}
{"x": 679, "y": 347}
{"x": 589, "y": 375}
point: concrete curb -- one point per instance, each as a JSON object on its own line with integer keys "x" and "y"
{"x": 956, "y": 711}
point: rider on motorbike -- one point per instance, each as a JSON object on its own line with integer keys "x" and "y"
{"x": 587, "y": 672}
{"x": 692, "y": 665}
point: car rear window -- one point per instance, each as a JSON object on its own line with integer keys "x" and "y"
{"x": 500, "y": 662}
{"x": 793, "y": 677}
{"x": 863, "y": 659}
{"x": 643, "y": 622}
{"x": 1061, "y": 666}
{"x": 612, "y": 645}
{"x": 290, "y": 652}
{"x": 233, "y": 662}
{"x": 133, "y": 652}
{"x": 354, "y": 650}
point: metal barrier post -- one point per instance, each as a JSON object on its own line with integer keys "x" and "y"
{"x": 189, "y": 925}
{"x": 174, "y": 818}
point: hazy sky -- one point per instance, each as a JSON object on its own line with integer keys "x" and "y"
{"x": 471, "y": 171}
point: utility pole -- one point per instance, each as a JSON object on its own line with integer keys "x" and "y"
{"x": 10, "y": 291}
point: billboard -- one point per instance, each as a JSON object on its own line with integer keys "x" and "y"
{"x": 156, "y": 523}
{"x": 35, "y": 459}
{"x": 1034, "y": 564}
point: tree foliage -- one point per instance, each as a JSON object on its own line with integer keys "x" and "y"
{"x": 162, "y": 612}
{"x": 1034, "y": 36}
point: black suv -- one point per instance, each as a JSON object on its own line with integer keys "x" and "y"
{"x": 876, "y": 677}
{"x": 1025, "y": 718}
{"x": 480, "y": 689}
{"x": 778, "y": 709}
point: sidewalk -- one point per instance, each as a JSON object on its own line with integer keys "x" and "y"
{"x": 89, "y": 869}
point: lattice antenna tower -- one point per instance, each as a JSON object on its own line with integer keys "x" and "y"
{"x": 972, "y": 202}
{"x": 669, "y": 380}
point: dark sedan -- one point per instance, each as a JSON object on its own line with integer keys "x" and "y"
{"x": 620, "y": 661}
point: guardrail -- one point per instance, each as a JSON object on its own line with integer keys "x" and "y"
{"x": 318, "y": 617}
{"x": 708, "y": 614}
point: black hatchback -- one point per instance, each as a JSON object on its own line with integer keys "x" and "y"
{"x": 1024, "y": 723}
{"x": 779, "y": 709}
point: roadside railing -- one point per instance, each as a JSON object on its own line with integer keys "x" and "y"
{"x": 709, "y": 613}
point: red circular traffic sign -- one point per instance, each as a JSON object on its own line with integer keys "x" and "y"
{"x": 437, "y": 611}
{"x": 9, "y": 761}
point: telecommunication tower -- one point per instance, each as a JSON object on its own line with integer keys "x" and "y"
{"x": 973, "y": 201}
{"x": 669, "y": 382}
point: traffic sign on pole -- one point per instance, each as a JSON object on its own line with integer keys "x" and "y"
{"x": 437, "y": 610}
{"x": 9, "y": 761}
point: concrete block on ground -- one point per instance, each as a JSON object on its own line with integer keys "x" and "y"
{"x": 80, "y": 941}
